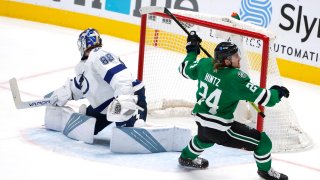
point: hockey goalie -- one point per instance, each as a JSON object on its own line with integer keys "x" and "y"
{"x": 114, "y": 97}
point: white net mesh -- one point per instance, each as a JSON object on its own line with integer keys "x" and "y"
{"x": 169, "y": 94}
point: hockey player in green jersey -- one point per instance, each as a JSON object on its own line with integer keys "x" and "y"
{"x": 221, "y": 85}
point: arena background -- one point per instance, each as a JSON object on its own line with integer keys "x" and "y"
{"x": 296, "y": 23}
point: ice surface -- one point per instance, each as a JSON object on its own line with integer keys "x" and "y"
{"x": 42, "y": 56}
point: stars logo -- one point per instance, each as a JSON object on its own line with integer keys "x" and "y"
{"x": 242, "y": 74}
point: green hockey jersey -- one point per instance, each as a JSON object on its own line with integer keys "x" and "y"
{"x": 219, "y": 92}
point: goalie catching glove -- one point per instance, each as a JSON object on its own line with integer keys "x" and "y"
{"x": 123, "y": 108}
{"x": 62, "y": 95}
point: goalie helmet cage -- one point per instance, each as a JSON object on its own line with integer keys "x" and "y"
{"x": 162, "y": 49}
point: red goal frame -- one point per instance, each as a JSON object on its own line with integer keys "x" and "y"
{"x": 265, "y": 47}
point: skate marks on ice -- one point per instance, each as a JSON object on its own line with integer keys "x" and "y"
{"x": 218, "y": 156}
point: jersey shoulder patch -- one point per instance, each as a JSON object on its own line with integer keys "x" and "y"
{"x": 238, "y": 76}
{"x": 242, "y": 74}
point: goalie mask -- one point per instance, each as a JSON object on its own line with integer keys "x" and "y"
{"x": 88, "y": 39}
{"x": 224, "y": 50}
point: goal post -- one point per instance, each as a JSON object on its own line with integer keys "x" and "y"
{"x": 162, "y": 49}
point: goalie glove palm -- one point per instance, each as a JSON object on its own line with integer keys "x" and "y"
{"x": 123, "y": 108}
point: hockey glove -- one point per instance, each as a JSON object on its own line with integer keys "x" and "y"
{"x": 123, "y": 108}
{"x": 62, "y": 95}
{"x": 283, "y": 91}
{"x": 193, "y": 43}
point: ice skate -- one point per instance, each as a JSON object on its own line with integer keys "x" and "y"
{"x": 199, "y": 163}
{"x": 272, "y": 175}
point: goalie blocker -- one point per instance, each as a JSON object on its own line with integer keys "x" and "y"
{"x": 124, "y": 139}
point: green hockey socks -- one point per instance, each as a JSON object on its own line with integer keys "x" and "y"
{"x": 262, "y": 154}
{"x": 194, "y": 148}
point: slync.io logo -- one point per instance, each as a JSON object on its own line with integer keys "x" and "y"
{"x": 258, "y": 12}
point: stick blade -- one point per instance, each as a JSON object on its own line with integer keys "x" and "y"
{"x": 27, "y": 104}
{"x": 15, "y": 92}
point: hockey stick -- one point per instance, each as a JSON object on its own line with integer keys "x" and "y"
{"x": 26, "y": 104}
{"x": 257, "y": 109}
{"x": 166, "y": 10}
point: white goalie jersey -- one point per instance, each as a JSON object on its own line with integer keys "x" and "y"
{"x": 101, "y": 78}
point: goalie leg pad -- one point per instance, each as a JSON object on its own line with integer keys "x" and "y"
{"x": 73, "y": 125}
{"x": 149, "y": 139}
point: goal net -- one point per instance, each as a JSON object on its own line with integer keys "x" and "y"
{"x": 162, "y": 49}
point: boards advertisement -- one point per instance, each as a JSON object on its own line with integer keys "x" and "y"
{"x": 296, "y": 23}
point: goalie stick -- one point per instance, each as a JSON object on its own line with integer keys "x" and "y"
{"x": 166, "y": 11}
{"x": 26, "y": 104}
